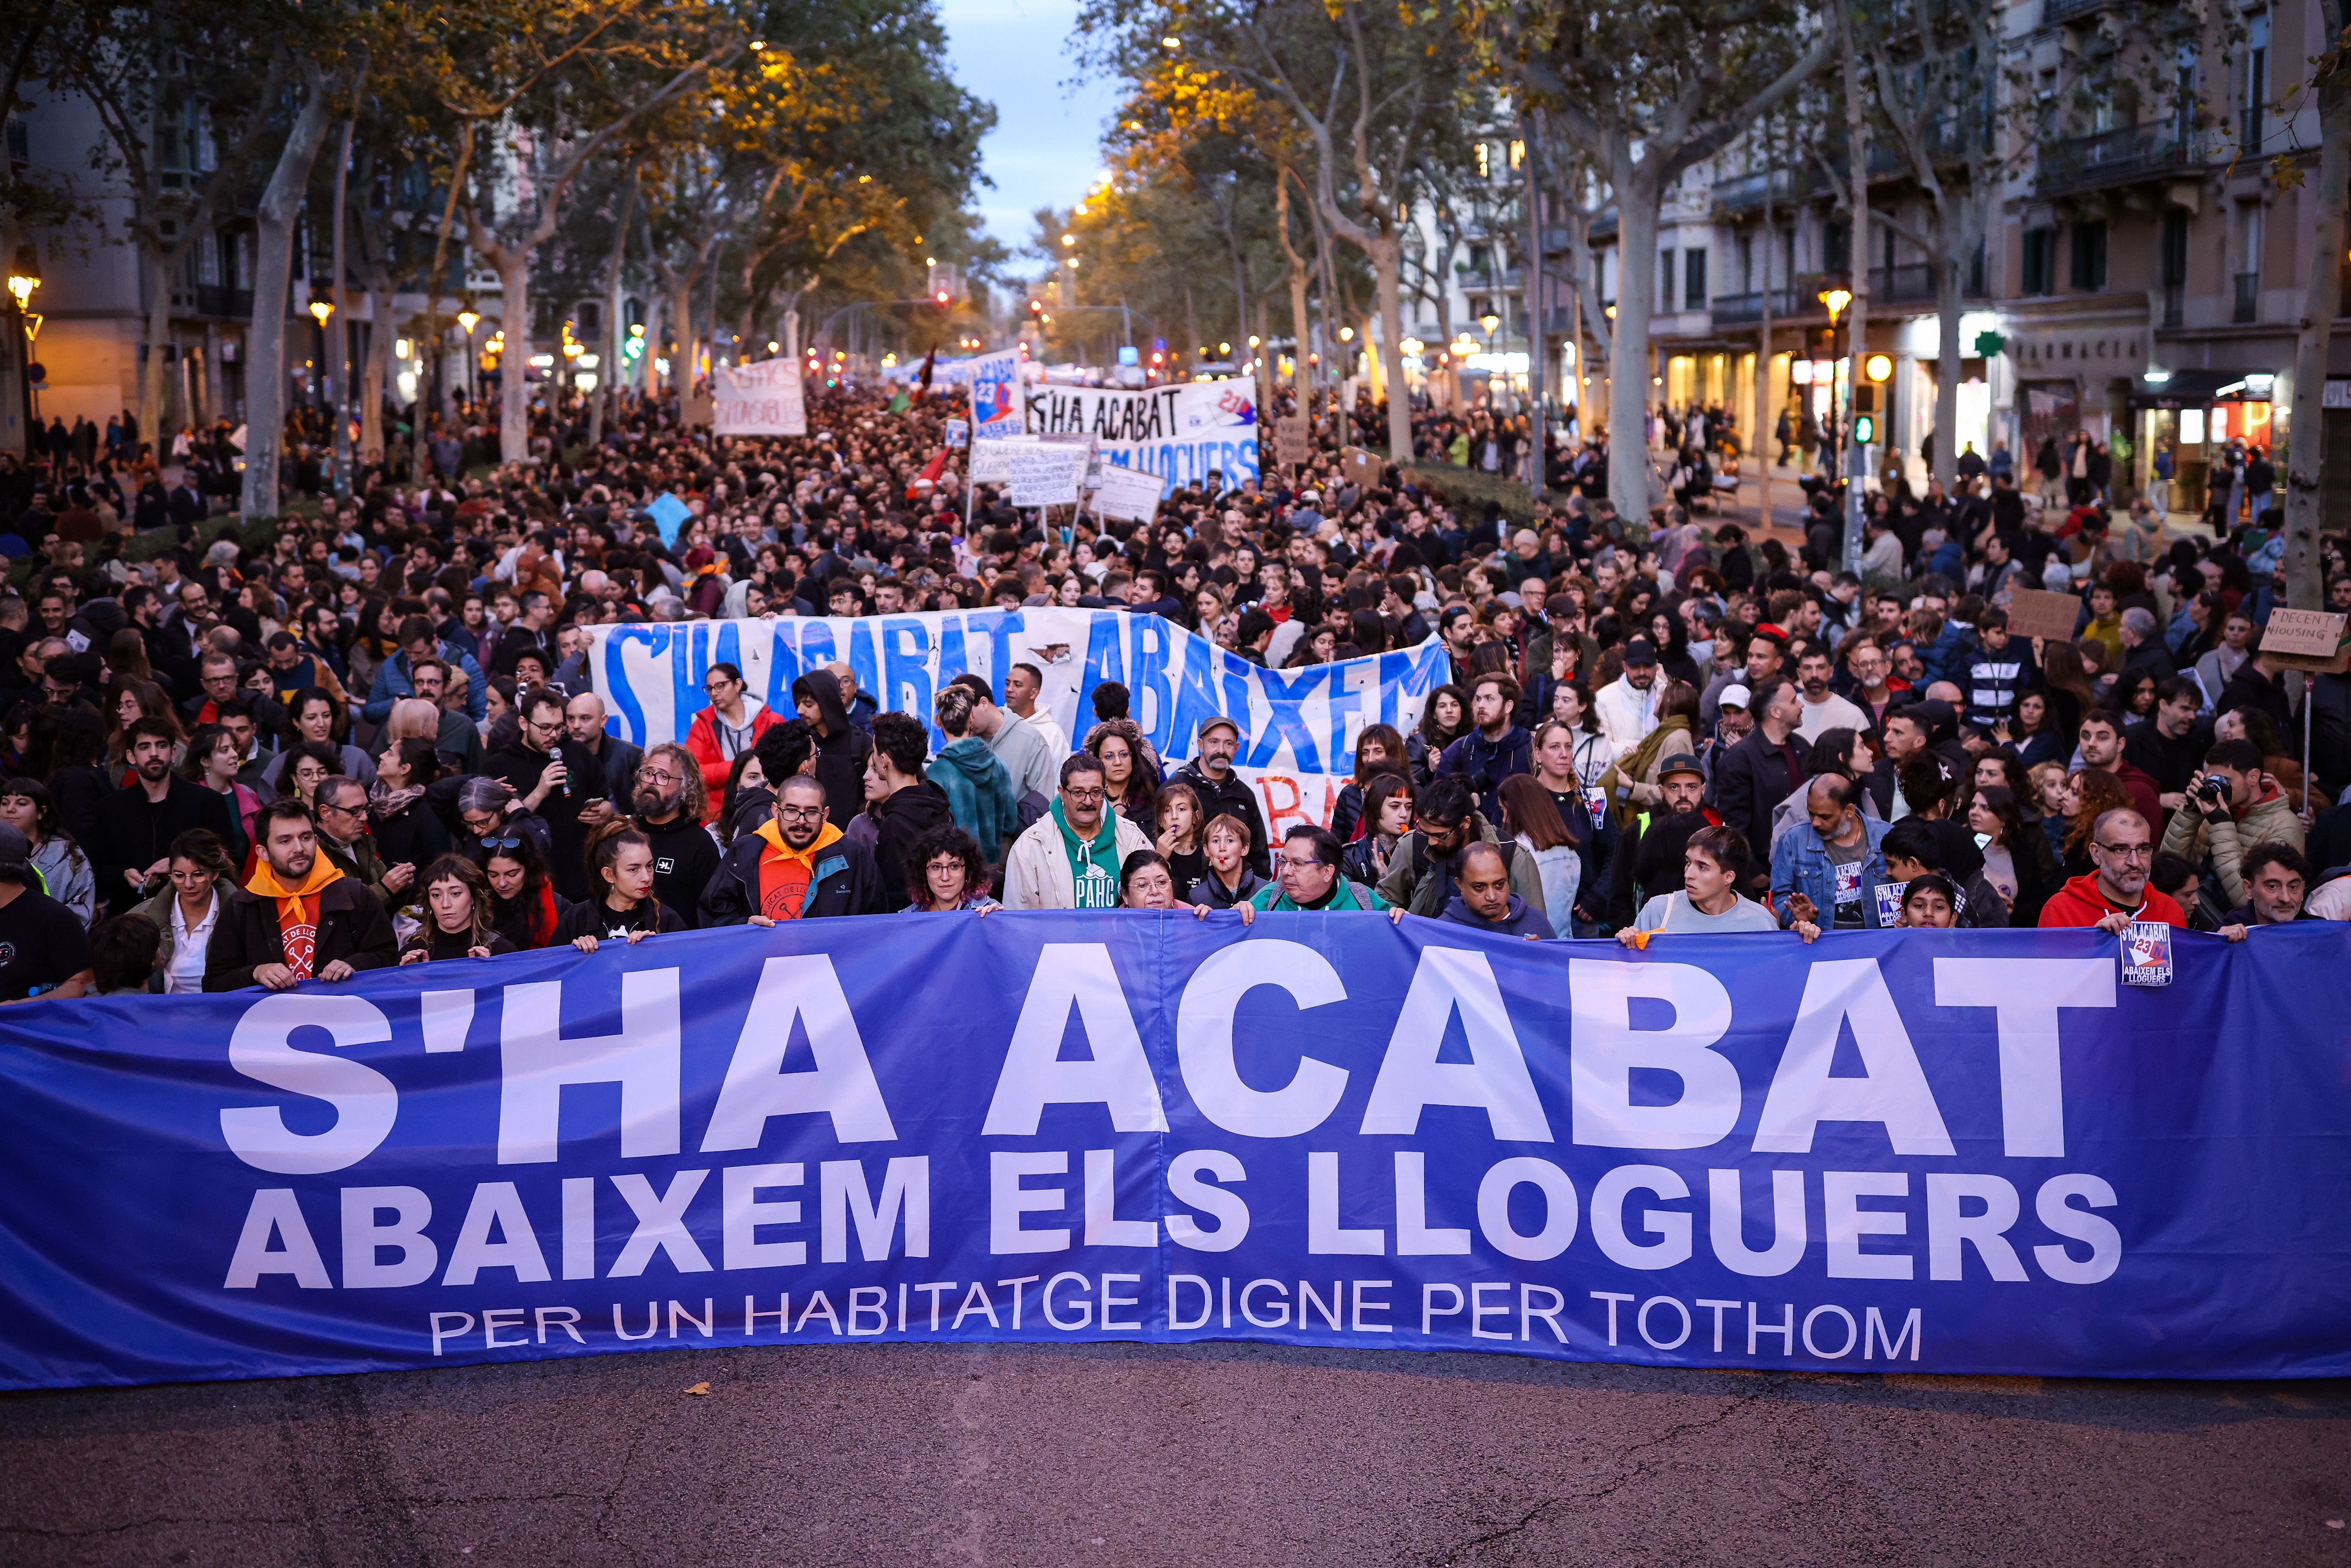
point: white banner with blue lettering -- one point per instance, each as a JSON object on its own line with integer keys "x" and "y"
{"x": 1180, "y": 433}
{"x": 1915, "y": 1151}
{"x": 1299, "y": 725}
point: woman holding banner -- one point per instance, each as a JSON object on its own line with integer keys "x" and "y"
{"x": 459, "y": 922}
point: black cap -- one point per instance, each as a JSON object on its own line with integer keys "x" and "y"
{"x": 1680, "y": 762}
{"x": 1640, "y": 652}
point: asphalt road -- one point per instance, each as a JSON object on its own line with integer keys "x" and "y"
{"x": 1129, "y": 1454}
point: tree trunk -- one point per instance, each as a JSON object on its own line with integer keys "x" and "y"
{"x": 1297, "y": 265}
{"x": 154, "y": 391}
{"x": 1759, "y": 438}
{"x": 608, "y": 384}
{"x": 273, "y": 260}
{"x": 513, "y": 263}
{"x": 1632, "y": 481}
{"x": 681, "y": 326}
{"x": 1856, "y": 124}
{"x": 1949, "y": 287}
{"x": 2306, "y": 437}
{"x": 1387, "y": 272}
{"x": 376, "y": 375}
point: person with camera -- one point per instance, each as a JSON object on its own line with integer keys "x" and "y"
{"x": 2232, "y": 806}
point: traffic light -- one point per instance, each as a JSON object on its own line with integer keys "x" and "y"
{"x": 941, "y": 296}
{"x": 1865, "y": 430}
{"x": 1035, "y": 308}
{"x": 1865, "y": 399}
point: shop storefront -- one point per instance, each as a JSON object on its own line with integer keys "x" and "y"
{"x": 2195, "y": 416}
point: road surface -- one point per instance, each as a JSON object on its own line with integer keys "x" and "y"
{"x": 1132, "y": 1455}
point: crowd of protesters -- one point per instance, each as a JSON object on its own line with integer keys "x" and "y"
{"x": 369, "y": 737}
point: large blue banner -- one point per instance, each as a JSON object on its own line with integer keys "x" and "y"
{"x": 1947, "y": 1151}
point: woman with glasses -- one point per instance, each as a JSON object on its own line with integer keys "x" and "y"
{"x": 459, "y": 913}
{"x": 494, "y": 816}
{"x": 188, "y": 907}
{"x": 951, "y": 874}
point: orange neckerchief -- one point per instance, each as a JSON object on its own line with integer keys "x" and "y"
{"x": 785, "y": 872}
{"x": 297, "y": 908}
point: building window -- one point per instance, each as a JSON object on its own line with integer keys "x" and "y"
{"x": 2255, "y": 85}
{"x": 1666, "y": 278}
{"x": 1485, "y": 162}
{"x": 1694, "y": 279}
{"x": 1837, "y": 248}
{"x": 2040, "y": 261}
{"x": 2089, "y": 256}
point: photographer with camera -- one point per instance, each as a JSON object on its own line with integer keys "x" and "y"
{"x": 2231, "y": 806}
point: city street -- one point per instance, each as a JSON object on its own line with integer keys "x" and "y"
{"x": 1130, "y": 1455}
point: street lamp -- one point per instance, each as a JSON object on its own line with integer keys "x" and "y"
{"x": 20, "y": 287}
{"x": 1836, "y": 300}
{"x": 469, "y": 320}
{"x": 321, "y": 309}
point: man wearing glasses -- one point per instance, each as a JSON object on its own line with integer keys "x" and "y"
{"x": 796, "y": 866}
{"x": 2122, "y": 848}
{"x": 1069, "y": 858}
{"x": 343, "y": 838}
{"x": 552, "y": 775}
{"x": 668, "y": 802}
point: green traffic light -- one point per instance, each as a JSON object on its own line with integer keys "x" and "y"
{"x": 1864, "y": 430}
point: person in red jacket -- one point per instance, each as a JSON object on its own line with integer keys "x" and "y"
{"x": 728, "y": 727}
{"x": 2122, "y": 846}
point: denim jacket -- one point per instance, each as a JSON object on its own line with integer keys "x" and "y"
{"x": 1801, "y": 864}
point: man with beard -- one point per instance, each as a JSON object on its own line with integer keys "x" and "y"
{"x": 142, "y": 819}
{"x": 554, "y": 777}
{"x": 796, "y": 866}
{"x": 669, "y": 804}
{"x": 1824, "y": 709}
{"x": 1650, "y": 856}
{"x": 299, "y": 918}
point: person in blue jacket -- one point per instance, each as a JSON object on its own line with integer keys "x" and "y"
{"x": 1832, "y": 859}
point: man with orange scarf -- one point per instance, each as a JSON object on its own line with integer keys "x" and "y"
{"x": 798, "y": 866}
{"x": 299, "y": 918}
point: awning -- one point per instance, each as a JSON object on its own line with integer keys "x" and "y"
{"x": 2201, "y": 388}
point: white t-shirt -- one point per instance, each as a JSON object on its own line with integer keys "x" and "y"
{"x": 1673, "y": 912}
{"x": 1832, "y": 712}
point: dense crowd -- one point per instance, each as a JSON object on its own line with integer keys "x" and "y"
{"x": 369, "y": 736}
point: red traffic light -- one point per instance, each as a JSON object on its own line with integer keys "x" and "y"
{"x": 941, "y": 296}
{"x": 1036, "y": 307}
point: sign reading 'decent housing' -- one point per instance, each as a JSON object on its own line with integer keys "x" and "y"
{"x": 1924, "y": 1151}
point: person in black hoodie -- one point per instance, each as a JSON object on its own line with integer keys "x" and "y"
{"x": 901, "y": 804}
{"x": 841, "y": 745}
{"x": 1485, "y": 901}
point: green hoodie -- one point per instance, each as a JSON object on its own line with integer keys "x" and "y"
{"x": 1344, "y": 895}
{"x": 1093, "y": 869}
{"x": 980, "y": 792}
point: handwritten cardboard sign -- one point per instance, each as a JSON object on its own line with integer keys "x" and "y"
{"x": 2036, "y": 612}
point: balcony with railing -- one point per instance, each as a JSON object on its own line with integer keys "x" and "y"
{"x": 2157, "y": 150}
{"x": 2249, "y": 297}
{"x": 1744, "y": 310}
{"x": 1904, "y": 284}
{"x": 2055, "y": 13}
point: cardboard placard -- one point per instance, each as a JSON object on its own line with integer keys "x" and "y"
{"x": 1293, "y": 440}
{"x": 2036, "y": 612}
{"x": 2308, "y": 640}
{"x": 1361, "y": 467}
